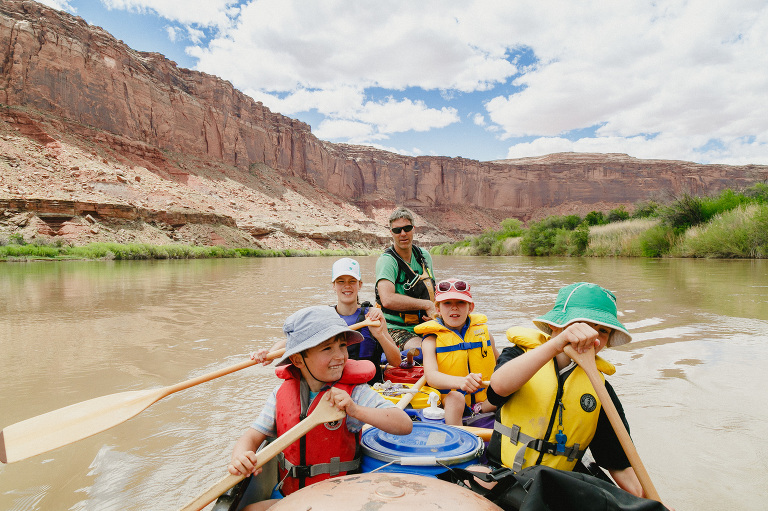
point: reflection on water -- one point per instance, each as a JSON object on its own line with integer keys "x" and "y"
{"x": 689, "y": 381}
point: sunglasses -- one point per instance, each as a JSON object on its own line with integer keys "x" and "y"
{"x": 406, "y": 228}
{"x": 445, "y": 286}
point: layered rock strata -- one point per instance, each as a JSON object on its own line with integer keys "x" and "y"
{"x": 59, "y": 74}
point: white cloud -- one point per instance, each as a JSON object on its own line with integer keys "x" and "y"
{"x": 207, "y": 13}
{"x": 331, "y": 129}
{"x": 173, "y": 33}
{"x": 290, "y": 44}
{"x": 686, "y": 71}
{"x": 61, "y": 5}
{"x": 392, "y": 116}
{"x": 340, "y": 101}
{"x": 661, "y": 78}
{"x": 351, "y": 116}
{"x": 195, "y": 35}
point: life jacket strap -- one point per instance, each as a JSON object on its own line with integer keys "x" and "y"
{"x": 333, "y": 468}
{"x": 516, "y": 436}
{"x": 463, "y": 346}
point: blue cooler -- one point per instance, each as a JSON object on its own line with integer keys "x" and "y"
{"x": 424, "y": 452}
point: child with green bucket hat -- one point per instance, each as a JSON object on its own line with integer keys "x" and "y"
{"x": 316, "y": 366}
{"x": 549, "y": 413}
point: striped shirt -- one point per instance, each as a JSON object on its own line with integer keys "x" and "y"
{"x": 362, "y": 395}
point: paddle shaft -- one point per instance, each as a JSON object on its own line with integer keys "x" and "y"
{"x": 75, "y": 422}
{"x": 242, "y": 365}
{"x": 587, "y": 363}
{"x": 323, "y": 412}
{"x": 404, "y": 401}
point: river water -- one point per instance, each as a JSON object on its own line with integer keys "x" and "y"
{"x": 690, "y": 381}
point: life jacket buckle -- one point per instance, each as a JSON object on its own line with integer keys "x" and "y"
{"x": 301, "y": 471}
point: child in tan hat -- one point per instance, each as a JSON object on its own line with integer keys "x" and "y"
{"x": 316, "y": 366}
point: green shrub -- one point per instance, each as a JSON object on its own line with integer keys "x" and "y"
{"x": 483, "y": 243}
{"x": 511, "y": 227}
{"x": 656, "y": 241}
{"x": 646, "y": 209}
{"x": 684, "y": 212}
{"x": 741, "y": 232}
{"x": 497, "y": 248}
{"x": 757, "y": 193}
{"x": 570, "y": 222}
{"x": 549, "y": 236}
{"x": 579, "y": 239}
{"x": 16, "y": 239}
{"x": 595, "y": 218}
{"x": 618, "y": 215}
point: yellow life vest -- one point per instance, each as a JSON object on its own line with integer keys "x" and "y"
{"x": 544, "y": 408}
{"x": 459, "y": 357}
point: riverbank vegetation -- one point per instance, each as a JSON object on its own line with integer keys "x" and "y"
{"x": 731, "y": 224}
{"x": 15, "y": 249}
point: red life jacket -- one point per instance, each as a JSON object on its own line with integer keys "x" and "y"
{"x": 328, "y": 450}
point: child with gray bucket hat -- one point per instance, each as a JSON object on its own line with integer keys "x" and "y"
{"x": 548, "y": 411}
{"x": 316, "y": 366}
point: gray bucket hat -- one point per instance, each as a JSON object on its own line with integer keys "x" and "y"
{"x": 308, "y": 327}
{"x": 583, "y": 301}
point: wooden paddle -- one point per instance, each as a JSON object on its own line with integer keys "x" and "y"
{"x": 72, "y": 423}
{"x": 406, "y": 398}
{"x": 323, "y": 412}
{"x": 587, "y": 362}
{"x": 404, "y": 401}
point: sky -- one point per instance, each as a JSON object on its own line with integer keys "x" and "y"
{"x": 481, "y": 79}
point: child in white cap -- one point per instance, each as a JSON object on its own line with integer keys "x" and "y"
{"x": 347, "y": 282}
{"x": 316, "y": 366}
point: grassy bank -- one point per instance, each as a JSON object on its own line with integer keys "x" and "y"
{"x": 16, "y": 250}
{"x": 732, "y": 224}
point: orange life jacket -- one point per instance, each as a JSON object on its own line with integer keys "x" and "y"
{"x": 328, "y": 450}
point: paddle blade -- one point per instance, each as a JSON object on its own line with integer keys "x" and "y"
{"x": 72, "y": 423}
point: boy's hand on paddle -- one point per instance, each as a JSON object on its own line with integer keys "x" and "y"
{"x": 580, "y": 336}
{"x": 260, "y": 356}
{"x": 375, "y": 314}
{"x": 341, "y": 400}
{"x": 472, "y": 382}
{"x": 243, "y": 464}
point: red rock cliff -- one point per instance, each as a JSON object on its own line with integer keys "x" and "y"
{"x": 56, "y": 64}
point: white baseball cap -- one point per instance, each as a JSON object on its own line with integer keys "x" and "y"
{"x": 345, "y": 266}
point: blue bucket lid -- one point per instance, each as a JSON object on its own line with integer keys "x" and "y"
{"x": 427, "y": 444}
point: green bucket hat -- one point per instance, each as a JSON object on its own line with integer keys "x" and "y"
{"x": 583, "y": 301}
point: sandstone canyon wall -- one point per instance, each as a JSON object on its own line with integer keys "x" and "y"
{"x": 60, "y": 78}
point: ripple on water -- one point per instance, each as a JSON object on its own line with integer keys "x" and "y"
{"x": 27, "y": 498}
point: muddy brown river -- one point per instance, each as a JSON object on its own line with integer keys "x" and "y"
{"x": 691, "y": 381}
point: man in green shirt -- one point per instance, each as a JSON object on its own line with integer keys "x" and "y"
{"x": 405, "y": 283}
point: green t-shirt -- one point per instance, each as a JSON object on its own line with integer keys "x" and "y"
{"x": 387, "y": 269}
